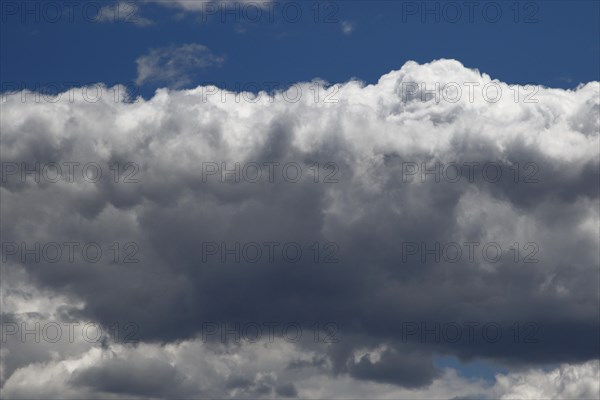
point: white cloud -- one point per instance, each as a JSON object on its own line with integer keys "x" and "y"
{"x": 347, "y": 27}
{"x": 580, "y": 381}
{"x": 208, "y": 5}
{"x": 122, "y": 11}
{"x": 175, "y": 66}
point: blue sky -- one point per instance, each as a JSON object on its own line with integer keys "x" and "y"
{"x": 554, "y": 43}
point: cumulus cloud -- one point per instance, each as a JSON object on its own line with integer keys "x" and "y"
{"x": 390, "y": 307}
{"x": 175, "y": 66}
{"x": 580, "y": 381}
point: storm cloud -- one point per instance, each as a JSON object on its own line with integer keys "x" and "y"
{"x": 387, "y": 223}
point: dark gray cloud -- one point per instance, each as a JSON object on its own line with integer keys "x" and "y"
{"x": 144, "y": 377}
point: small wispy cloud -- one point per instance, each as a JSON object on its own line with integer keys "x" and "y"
{"x": 123, "y": 12}
{"x": 206, "y": 5}
{"x": 175, "y": 66}
{"x": 347, "y": 27}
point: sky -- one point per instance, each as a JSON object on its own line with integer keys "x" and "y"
{"x": 240, "y": 199}
{"x": 552, "y": 43}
